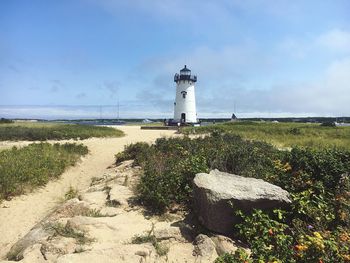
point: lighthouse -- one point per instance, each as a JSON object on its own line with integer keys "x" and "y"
{"x": 185, "y": 100}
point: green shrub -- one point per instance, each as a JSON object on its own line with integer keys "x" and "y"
{"x": 240, "y": 256}
{"x": 25, "y": 168}
{"x": 136, "y": 152}
{"x": 268, "y": 238}
{"x": 317, "y": 179}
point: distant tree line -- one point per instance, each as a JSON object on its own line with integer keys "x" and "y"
{"x": 3, "y": 120}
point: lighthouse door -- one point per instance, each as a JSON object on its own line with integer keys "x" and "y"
{"x": 183, "y": 117}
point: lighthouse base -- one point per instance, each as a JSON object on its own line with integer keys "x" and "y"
{"x": 172, "y": 122}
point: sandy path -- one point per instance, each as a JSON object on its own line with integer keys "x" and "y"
{"x": 19, "y": 215}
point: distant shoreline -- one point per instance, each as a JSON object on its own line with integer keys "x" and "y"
{"x": 340, "y": 121}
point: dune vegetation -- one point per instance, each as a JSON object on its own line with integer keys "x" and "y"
{"x": 38, "y": 131}
{"x": 314, "y": 229}
{"x": 23, "y": 169}
{"x": 282, "y": 134}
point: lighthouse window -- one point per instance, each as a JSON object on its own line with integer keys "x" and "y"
{"x": 184, "y": 93}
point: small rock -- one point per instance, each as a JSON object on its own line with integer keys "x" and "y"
{"x": 169, "y": 233}
{"x": 95, "y": 199}
{"x": 205, "y": 248}
{"x": 224, "y": 244}
{"x": 142, "y": 253}
{"x": 33, "y": 254}
{"x": 80, "y": 223}
{"x": 120, "y": 194}
{"x": 58, "y": 246}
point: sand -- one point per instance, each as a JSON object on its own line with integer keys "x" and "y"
{"x": 20, "y": 214}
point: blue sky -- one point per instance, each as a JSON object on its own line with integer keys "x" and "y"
{"x": 269, "y": 58}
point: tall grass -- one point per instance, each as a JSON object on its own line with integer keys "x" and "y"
{"x": 34, "y": 165}
{"x": 55, "y": 131}
{"x": 282, "y": 134}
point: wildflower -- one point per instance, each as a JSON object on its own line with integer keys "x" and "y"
{"x": 287, "y": 167}
{"x": 343, "y": 216}
{"x": 270, "y": 232}
{"x": 346, "y": 257}
{"x": 310, "y": 227}
{"x": 301, "y": 247}
{"x": 344, "y": 237}
{"x": 318, "y": 235}
{"x": 320, "y": 260}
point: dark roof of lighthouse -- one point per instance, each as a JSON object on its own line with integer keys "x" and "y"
{"x": 185, "y": 69}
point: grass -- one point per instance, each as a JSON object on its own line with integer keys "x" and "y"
{"x": 282, "y": 134}
{"x": 71, "y": 193}
{"x": 54, "y": 131}
{"x": 156, "y": 123}
{"x": 96, "y": 213}
{"x": 32, "y": 166}
{"x": 149, "y": 237}
{"x": 66, "y": 231}
{"x": 112, "y": 203}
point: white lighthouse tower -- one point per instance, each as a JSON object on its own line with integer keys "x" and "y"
{"x": 185, "y": 101}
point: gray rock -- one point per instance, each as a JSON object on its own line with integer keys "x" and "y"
{"x": 33, "y": 254}
{"x": 205, "y": 248}
{"x": 36, "y": 235}
{"x": 224, "y": 244}
{"x": 169, "y": 233}
{"x": 217, "y": 195}
{"x": 54, "y": 247}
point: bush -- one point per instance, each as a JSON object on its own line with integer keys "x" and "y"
{"x": 317, "y": 179}
{"x": 136, "y": 152}
{"x": 171, "y": 164}
{"x": 25, "y": 168}
{"x": 268, "y": 238}
{"x": 240, "y": 256}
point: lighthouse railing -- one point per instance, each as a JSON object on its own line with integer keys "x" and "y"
{"x": 178, "y": 77}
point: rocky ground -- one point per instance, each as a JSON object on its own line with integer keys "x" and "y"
{"x": 105, "y": 224}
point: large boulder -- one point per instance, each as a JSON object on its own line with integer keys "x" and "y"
{"x": 217, "y": 194}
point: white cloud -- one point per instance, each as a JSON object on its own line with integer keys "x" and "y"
{"x": 328, "y": 95}
{"x": 332, "y": 42}
{"x": 213, "y": 65}
{"x": 335, "y": 40}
